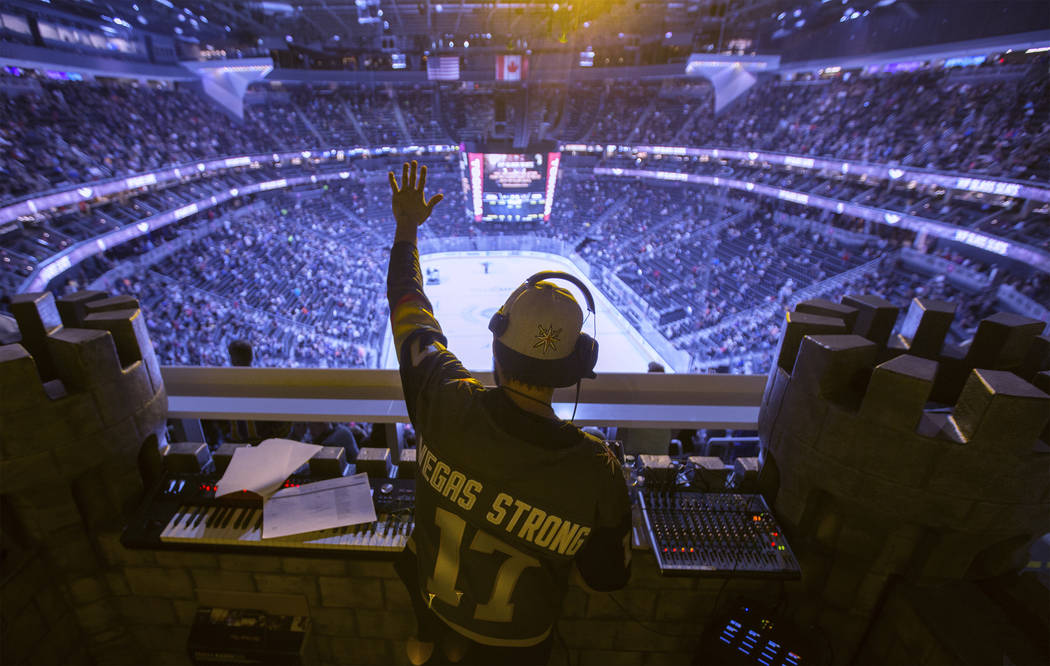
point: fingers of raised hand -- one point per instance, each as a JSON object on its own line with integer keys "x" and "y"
{"x": 393, "y": 182}
{"x": 422, "y": 176}
{"x": 412, "y": 175}
{"x": 434, "y": 200}
{"x": 405, "y": 183}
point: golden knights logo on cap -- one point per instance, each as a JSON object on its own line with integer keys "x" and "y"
{"x": 547, "y": 338}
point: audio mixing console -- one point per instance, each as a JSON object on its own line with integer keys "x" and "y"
{"x": 698, "y": 534}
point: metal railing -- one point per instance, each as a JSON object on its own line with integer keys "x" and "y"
{"x": 648, "y": 400}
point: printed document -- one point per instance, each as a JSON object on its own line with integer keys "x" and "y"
{"x": 345, "y": 500}
{"x": 263, "y": 469}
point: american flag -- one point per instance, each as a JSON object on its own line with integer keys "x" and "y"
{"x": 443, "y": 68}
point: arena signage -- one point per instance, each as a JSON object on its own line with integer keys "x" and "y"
{"x": 1032, "y": 256}
{"x": 989, "y": 186}
{"x": 185, "y": 211}
{"x": 85, "y": 191}
{"x": 76, "y": 193}
{"x": 789, "y": 195}
{"x": 984, "y": 242}
{"x": 553, "y": 162}
{"x": 793, "y": 160}
{"x": 476, "y": 184}
{"x": 136, "y": 182}
{"x": 53, "y": 266}
{"x": 994, "y": 186}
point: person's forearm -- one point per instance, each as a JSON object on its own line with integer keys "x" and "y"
{"x": 410, "y": 310}
{"x": 404, "y": 277}
{"x": 406, "y": 233}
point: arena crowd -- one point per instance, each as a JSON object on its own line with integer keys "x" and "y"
{"x": 300, "y": 276}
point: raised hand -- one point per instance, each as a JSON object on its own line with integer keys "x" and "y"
{"x": 411, "y": 208}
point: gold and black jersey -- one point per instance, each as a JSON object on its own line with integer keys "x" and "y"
{"x": 506, "y": 500}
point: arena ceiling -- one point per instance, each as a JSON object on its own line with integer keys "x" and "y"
{"x": 336, "y": 24}
{"x": 786, "y": 27}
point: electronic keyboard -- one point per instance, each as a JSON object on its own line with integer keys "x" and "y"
{"x": 182, "y": 513}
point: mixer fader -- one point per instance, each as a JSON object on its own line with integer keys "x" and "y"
{"x": 697, "y": 534}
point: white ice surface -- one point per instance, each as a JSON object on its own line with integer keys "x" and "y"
{"x": 467, "y": 297}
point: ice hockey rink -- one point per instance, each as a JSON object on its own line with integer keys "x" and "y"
{"x": 467, "y": 296}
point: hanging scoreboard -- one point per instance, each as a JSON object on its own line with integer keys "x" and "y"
{"x": 512, "y": 187}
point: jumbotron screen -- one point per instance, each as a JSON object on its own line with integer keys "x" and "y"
{"x": 512, "y": 187}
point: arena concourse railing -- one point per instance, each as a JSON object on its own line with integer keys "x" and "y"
{"x": 1006, "y": 248}
{"x": 72, "y": 194}
{"x": 946, "y": 179}
{"x": 62, "y": 261}
{"x": 648, "y": 400}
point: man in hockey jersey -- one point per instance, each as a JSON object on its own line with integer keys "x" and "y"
{"x": 510, "y": 499}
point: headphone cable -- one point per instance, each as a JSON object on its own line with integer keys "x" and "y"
{"x": 577, "y": 403}
{"x": 593, "y": 314}
{"x": 525, "y": 395}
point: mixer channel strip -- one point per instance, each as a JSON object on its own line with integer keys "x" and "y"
{"x": 184, "y": 514}
{"x": 716, "y": 534}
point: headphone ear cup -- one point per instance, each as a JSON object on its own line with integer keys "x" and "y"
{"x": 586, "y": 354}
{"x": 498, "y": 323}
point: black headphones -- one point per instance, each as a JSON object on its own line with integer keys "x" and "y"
{"x": 555, "y": 372}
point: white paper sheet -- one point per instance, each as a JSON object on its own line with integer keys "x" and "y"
{"x": 263, "y": 469}
{"x": 345, "y": 500}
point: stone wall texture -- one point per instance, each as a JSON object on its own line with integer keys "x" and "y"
{"x": 896, "y": 461}
{"x": 83, "y": 412}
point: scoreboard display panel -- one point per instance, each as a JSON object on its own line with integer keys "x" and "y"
{"x": 512, "y": 187}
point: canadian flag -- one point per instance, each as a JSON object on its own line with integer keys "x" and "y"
{"x": 511, "y": 67}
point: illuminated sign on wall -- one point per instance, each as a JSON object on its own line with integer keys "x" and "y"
{"x": 475, "y": 161}
{"x": 553, "y": 162}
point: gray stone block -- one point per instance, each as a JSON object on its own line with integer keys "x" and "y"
{"x": 834, "y": 367}
{"x": 224, "y": 454}
{"x": 128, "y": 328}
{"x": 112, "y": 303}
{"x": 825, "y": 308}
{"x": 84, "y": 357}
{"x": 1002, "y": 341}
{"x": 925, "y": 326}
{"x": 1001, "y": 411}
{"x": 375, "y": 462}
{"x": 875, "y": 317}
{"x": 73, "y": 307}
{"x": 328, "y": 463}
{"x": 1037, "y": 359}
{"x": 406, "y": 467}
{"x": 37, "y": 317}
{"x": 20, "y": 385}
{"x": 187, "y": 457}
{"x": 898, "y": 391}
{"x": 797, "y": 326}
